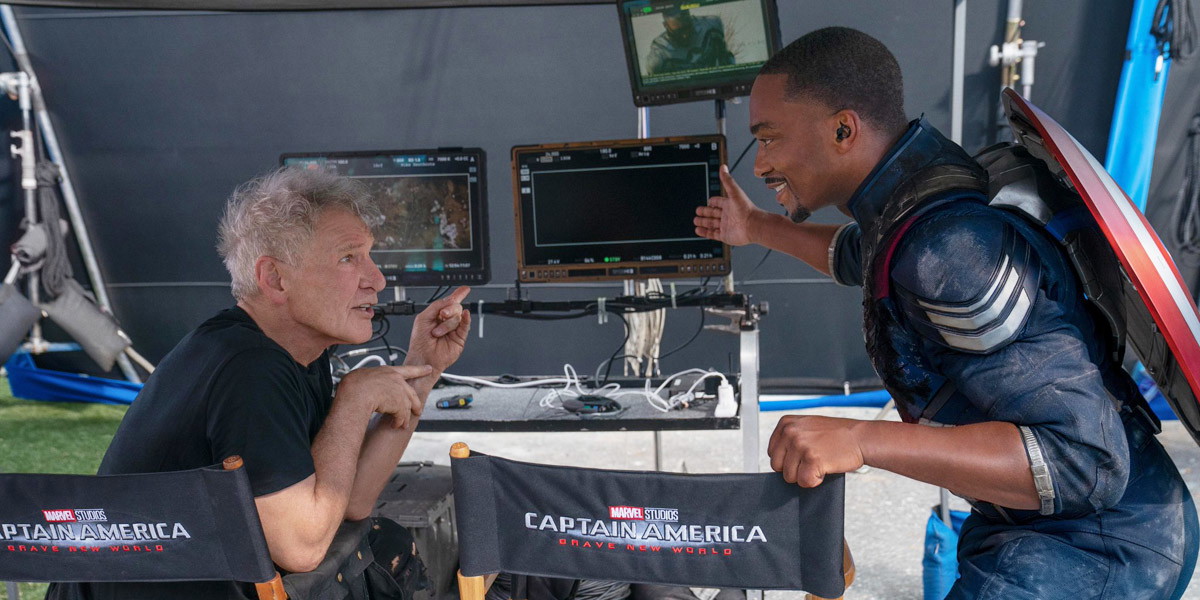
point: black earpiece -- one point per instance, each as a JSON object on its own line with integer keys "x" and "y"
{"x": 843, "y": 132}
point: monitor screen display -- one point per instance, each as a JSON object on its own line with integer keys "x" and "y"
{"x": 616, "y": 209}
{"x": 685, "y": 50}
{"x": 434, "y": 229}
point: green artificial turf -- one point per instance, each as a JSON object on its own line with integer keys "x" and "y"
{"x": 52, "y": 437}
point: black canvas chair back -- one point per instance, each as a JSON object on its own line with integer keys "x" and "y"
{"x": 749, "y": 530}
{"x": 179, "y": 526}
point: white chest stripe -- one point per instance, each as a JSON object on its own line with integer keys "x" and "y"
{"x": 995, "y": 336}
{"x": 993, "y": 311}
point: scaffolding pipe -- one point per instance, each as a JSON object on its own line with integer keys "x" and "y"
{"x": 54, "y": 151}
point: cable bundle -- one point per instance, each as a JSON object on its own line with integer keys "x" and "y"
{"x": 645, "y": 334}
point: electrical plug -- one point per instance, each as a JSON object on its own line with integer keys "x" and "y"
{"x": 684, "y": 400}
{"x": 726, "y": 405}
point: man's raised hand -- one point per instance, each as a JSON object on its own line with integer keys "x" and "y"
{"x": 439, "y": 333}
{"x": 727, "y": 218}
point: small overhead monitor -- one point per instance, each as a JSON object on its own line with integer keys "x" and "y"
{"x": 434, "y": 208}
{"x": 686, "y": 50}
{"x": 616, "y": 209}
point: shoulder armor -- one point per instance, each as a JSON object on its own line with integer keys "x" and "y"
{"x": 966, "y": 280}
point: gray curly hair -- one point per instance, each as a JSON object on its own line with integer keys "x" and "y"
{"x": 275, "y": 215}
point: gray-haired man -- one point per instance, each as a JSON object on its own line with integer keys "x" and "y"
{"x": 255, "y": 379}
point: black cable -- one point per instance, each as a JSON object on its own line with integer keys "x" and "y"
{"x": 760, "y": 263}
{"x": 742, "y": 155}
{"x": 544, "y": 317}
{"x": 601, "y": 367}
{"x": 690, "y": 340}
{"x": 735, "y": 165}
{"x": 1174, "y": 29}
{"x": 379, "y": 328}
{"x": 616, "y": 352}
{"x": 1187, "y": 202}
{"x": 388, "y": 348}
{"x": 1184, "y": 44}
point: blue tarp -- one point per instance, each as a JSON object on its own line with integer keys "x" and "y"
{"x": 940, "y": 565}
{"x": 876, "y": 398}
{"x": 30, "y": 382}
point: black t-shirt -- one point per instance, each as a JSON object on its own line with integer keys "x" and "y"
{"x": 226, "y": 389}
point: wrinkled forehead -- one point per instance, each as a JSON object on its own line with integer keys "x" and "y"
{"x": 340, "y": 229}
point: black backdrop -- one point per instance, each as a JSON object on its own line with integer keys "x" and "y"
{"x": 162, "y": 114}
{"x": 1181, "y": 105}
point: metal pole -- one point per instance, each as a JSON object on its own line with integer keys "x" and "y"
{"x": 748, "y": 342}
{"x": 956, "y": 130}
{"x": 1012, "y": 32}
{"x": 749, "y": 406}
{"x": 956, "y": 85}
{"x": 14, "y": 593}
{"x": 643, "y": 132}
{"x": 720, "y": 106}
{"x": 28, "y": 155}
{"x": 68, "y": 189}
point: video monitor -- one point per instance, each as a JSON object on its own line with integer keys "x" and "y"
{"x": 616, "y": 209}
{"x": 685, "y": 50}
{"x": 434, "y": 205}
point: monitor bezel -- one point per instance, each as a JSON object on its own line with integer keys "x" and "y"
{"x": 658, "y": 96}
{"x": 477, "y": 276}
{"x": 548, "y": 273}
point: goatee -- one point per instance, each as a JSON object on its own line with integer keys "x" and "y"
{"x": 799, "y": 215}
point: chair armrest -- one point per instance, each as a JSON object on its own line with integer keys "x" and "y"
{"x": 474, "y": 588}
{"x": 348, "y": 556}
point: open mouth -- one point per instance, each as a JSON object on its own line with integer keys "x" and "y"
{"x": 778, "y": 185}
{"x": 368, "y": 309}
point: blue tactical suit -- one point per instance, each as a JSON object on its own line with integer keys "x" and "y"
{"x": 974, "y": 313}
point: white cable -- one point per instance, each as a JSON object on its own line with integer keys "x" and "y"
{"x": 645, "y": 333}
{"x": 573, "y": 388}
{"x": 485, "y": 382}
{"x": 572, "y": 380}
{"x": 654, "y": 397}
{"x": 633, "y": 345}
{"x": 374, "y": 358}
{"x": 660, "y": 326}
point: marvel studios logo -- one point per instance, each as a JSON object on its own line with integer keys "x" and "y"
{"x": 643, "y": 513}
{"x": 75, "y": 515}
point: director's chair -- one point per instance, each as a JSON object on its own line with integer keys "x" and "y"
{"x": 196, "y": 525}
{"x": 751, "y": 530}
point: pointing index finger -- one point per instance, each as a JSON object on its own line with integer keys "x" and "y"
{"x": 459, "y": 294}
{"x": 451, "y": 304}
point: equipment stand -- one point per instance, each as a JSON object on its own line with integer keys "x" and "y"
{"x": 643, "y": 132}
{"x": 33, "y": 99}
{"x": 720, "y": 110}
